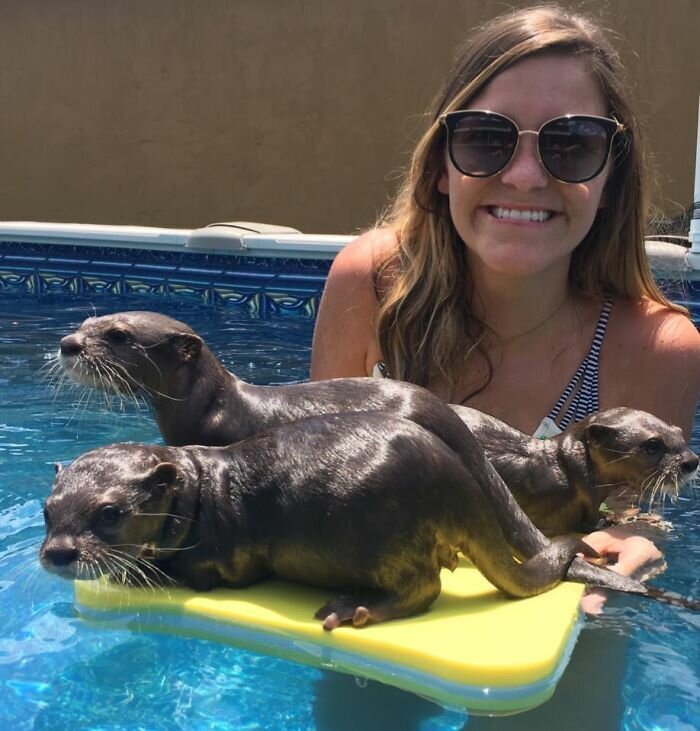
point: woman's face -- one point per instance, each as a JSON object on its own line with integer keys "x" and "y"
{"x": 531, "y": 92}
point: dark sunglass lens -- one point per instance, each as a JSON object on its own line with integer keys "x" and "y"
{"x": 482, "y": 144}
{"x": 574, "y": 149}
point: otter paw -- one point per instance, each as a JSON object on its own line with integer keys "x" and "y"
{"x": 341, "y": 610}
{"x": 204, "y": 581}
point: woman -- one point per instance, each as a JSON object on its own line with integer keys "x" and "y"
{"x": 510, "y": 274}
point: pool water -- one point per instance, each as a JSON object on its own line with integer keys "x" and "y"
{"x": 636, "y": 667}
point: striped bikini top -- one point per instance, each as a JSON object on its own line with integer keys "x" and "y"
{"x": 580, "y": 398}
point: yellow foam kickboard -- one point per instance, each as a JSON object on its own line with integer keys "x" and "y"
{"x": 474, "y": 648}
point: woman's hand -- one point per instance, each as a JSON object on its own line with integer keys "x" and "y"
{"x": 629, "y": 552}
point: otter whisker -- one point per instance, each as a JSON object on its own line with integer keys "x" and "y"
{"x": 142, "y": 350}
{"x": 131, "y": 573}
{"x": 161, "y": 580}
{"x": 108, "y": 387}
{"x": 611, "y": 485}
{"x": 165, "y": 579}
{"x": 657, "y": 486}
{"x": 647, "y": 481}
{"x": 26, "y": 572}
{"x": 166, "y": 515}
{"x": 654, "y": 479}
{"x": 112, "y": 377}
{"x": 143, "y": 387}
{"x": 162, "y": 340}
{"x": 137, "y": 561}
{"x": 50, "y": 372}
{"x": 60, "y": 383}
{"x": 154, "y": 392}
{"x": 83, "y": 398}
{"x": 620, "y": 459}
{"x": 92, "y": 572}
{"x": 86, "y": 394}
{"x": 619, "y": 451}
{"x": 120, "y": 372}
{"x": 174, "y": 549}
{"x": 179, "y": 548}
{"x": 29, "y": 579}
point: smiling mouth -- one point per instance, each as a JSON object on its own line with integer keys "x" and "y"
{"x": 535, "y": 215}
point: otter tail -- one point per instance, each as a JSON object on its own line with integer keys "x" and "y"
{"x": 524, "y": 538}
{"x": 586, "y": 573}
{"x": 670, "y": 597}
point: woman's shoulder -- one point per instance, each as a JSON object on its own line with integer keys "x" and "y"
{"x": 656, "y": 327}
{"x": 653, "y": 355}
{"x": 362, "y": 255}
{"x": 356, "y": 270}
{"x": 345, "y": 342}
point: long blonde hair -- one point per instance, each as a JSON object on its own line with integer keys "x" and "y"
{"x": 426, "y": 325}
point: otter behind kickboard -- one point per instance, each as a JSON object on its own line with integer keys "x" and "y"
{"x": 561, "y": 481}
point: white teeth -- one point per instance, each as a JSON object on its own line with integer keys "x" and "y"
{"x": 521, "y": 215}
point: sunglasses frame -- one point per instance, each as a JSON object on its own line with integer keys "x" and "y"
{"x": 449, "y": 120}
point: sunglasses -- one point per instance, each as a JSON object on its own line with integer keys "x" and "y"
{"x": 573, "y": 148}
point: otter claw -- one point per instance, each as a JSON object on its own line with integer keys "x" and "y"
{"x": 341, "y": 610}
{"x": 331, "y": 622}
{"x": 360, "y": 617}
{"x": 587, "y": 550}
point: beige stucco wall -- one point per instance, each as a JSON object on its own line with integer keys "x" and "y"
{"x": 301, "y": 112}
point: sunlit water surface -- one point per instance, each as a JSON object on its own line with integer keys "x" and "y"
{"x": 636, "y": 667}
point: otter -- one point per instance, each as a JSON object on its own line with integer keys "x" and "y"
{"x": 345, "y": 501}
{"x": 560, "y": 482}
{"x": 195, "y": 400}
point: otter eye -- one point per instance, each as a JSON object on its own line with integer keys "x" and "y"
{"x": 653, "y": 447}
{"x": 117, "y": 336}
{"x": 110, "y": 514}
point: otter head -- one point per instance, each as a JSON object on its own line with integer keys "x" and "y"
{"x": 131, "y": 352}
{"x": 636, "y": 449}
{"x": 110, "y": 512}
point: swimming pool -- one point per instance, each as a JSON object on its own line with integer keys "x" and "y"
{"x": 637, "y": 667}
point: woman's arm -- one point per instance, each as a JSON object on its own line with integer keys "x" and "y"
{"x": 345, "y": 342}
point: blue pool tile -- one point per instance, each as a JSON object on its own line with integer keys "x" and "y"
{"x": 64, "y": 260}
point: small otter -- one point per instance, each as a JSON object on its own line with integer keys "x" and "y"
{"x": 194, "y": 398}
{"x": 197, "y": 401}
{"x": 344, "y": 501}
{"x": 561, "y": 482}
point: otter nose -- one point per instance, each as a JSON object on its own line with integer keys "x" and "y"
{"x": 70, "y": 345}
{"x": 60, "y": 554}
{"x": 690, "y": 463}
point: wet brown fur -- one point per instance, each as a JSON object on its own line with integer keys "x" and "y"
{"x": 345, "y": 501}
{"x": 561, "y": 482}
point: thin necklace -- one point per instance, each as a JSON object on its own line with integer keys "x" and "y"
{"x": 550, "y": 316}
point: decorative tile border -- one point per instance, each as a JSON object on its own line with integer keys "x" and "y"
{"x": 259, "y": 284}
{"x": 262, "y": 285}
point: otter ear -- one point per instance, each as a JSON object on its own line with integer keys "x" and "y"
{"x": 58, "y": 467}
{"x": 188, "y": 346}
{"x": 162, "y": 475}
{"x": 600, "y": 435}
